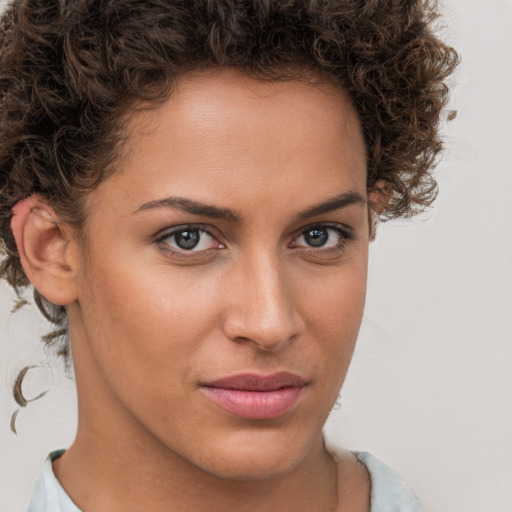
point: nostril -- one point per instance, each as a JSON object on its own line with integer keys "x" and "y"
{"x": 242, "y": 339}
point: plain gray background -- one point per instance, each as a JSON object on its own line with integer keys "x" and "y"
{"x": 430, "y": 388}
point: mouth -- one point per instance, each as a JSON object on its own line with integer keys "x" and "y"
{"x": 254, "y": 396}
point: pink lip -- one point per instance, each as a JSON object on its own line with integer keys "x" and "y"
{"x": 256, "y": 397}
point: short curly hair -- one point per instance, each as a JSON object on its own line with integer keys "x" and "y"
{"x": 71, "y": 71}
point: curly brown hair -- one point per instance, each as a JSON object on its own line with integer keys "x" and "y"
{"x": 71, "y": 70}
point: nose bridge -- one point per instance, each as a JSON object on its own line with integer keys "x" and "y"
{"x": 262, "y": 308}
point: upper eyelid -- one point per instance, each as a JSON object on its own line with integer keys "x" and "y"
{"x": 164, "y": 233}
{"x": 345, "y": 230}
{"x": 160, "y": 238}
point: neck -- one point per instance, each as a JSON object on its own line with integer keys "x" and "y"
{"x": 143, "y": 475}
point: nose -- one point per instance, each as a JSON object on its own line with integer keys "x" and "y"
{"x": 261, "y": 308}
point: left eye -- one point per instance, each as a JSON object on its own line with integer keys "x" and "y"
{"x": 189, "y": 239}
{"x": 324, "y": 237}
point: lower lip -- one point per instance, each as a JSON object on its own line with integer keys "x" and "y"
{"x": 257, "y": 405}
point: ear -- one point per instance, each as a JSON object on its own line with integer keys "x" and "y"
{"x": 379, "y": 198}
{"x": 47, "y": 250}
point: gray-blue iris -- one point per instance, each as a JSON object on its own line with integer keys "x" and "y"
{"x": 316, "y": 237}
{"x": 187, "y": 239}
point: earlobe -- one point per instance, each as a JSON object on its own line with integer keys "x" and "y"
{"x": 45, "y": 248}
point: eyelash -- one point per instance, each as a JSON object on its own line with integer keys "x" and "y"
{"x": 345, "y": 235}
{"x": 183, "y": 253}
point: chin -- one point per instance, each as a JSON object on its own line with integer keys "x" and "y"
{"x": 251, "y": 467}
{"x": 245, "y": 457}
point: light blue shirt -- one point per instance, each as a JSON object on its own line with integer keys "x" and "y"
{"x": 389, "y": 492}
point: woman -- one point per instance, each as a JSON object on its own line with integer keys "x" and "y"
{"x": 191, "y": 188}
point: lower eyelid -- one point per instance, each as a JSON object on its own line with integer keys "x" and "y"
{"x": 344, "y": 236}
{"x": 162, "y": 235}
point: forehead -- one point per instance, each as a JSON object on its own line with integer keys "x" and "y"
{"x": 218, "y": 99}
{"x": 222, "y": 134}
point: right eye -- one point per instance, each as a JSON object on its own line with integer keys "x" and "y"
{"x": 188, "y": 241}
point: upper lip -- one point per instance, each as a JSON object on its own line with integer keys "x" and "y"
{"x": 255, "y": 382}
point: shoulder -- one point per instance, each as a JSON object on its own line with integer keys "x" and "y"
{"x": 389, "y": 493}
{"x": 48, "y": 495}
{"x": 386, "y": 489}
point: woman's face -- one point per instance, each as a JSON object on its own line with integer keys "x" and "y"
{"x": 222, "y": 278}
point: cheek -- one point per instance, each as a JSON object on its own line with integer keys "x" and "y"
{"x": 163, "y": 322}
{"x": 335, "y": 312}
{"x": 142, "y": 324}
{"x": 336, "y": 301}
{"x": 126, "y": 293}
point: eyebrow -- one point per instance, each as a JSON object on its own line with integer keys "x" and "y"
{"x": 341, "y": 201}
{"x": 205, "y": 210}
{"x": 192, "y": 207}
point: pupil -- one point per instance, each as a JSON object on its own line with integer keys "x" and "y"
{"x": 316, "y": 237}
{"x": 187, "y": 239}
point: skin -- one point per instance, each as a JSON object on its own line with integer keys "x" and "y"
{"x": 151, "y": 322}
